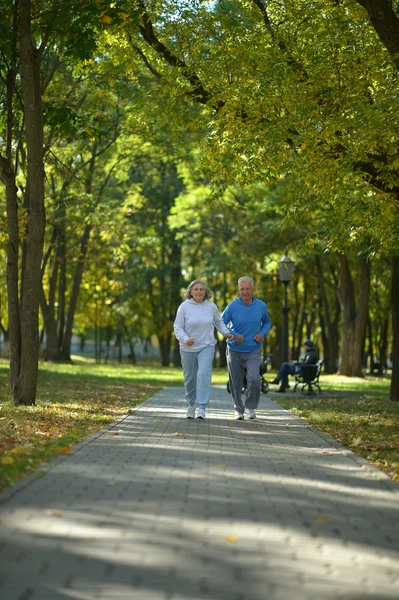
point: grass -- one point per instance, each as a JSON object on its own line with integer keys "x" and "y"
{"x": 73, "y": 401}
{"x": 358, "y": 414}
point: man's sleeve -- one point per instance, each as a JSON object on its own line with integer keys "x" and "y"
{"x": 226, "y": 317}
{"x": 266, "y": 322}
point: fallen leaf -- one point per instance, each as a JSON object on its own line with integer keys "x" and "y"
{"x": 231, "y": 538}
{"x": 158, "y": 421}
{"x": 321, "y": 452}
{"x": 181, "y": 434}
{"x": 55, "y": 512}
{"x": 66, "y": 449}
{"x": 112, "y": 482}
{"x": 221, "y": 466}
{"x": 356, "y": 442}
{"x": 322, "y": 520}
{"x": 287, "y": 425}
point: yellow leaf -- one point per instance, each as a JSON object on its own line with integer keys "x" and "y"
{"x": 287, "y": 425}
{"x": 231, "y": 538}
{"x": 53, "y": 430}
{"x": 181, "y": 434}
{"x": 322, "y": 520}
{"x": 7, "y": 460}
{"x": 55, "y": 512}
{"x": 66, "y": 449}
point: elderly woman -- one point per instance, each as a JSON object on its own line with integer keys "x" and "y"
{"x": 194, "y": 326}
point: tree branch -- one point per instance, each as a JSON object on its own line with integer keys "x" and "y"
{"x": 198, "y": 91}
{"x": 386, "y": 24}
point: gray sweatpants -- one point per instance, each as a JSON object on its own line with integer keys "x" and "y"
{"x": 236, "y": 363}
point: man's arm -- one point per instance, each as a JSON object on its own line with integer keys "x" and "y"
{"x": 266, "y": 322}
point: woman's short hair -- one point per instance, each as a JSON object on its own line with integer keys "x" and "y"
{"x": 246, "y": 279}
{"x": 208, "y": 291}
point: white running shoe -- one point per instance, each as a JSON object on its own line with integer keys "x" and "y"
{"x": 191, "y": 412}
{"x": 238, "y": 416}
{"x": 201, "y": 412}
{"x": 250, "y": 413}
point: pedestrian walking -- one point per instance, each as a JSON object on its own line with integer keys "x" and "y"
{"x": 196, "y": 319}
{"x": 249, "y": 321}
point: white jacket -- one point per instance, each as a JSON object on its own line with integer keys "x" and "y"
{"x": 197, "y": 320}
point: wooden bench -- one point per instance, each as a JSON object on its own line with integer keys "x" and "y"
{"x": 308, "y": 378}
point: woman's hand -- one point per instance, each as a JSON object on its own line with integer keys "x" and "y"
{"x": 230, "y": 337}
{"x": 190, "y": 341}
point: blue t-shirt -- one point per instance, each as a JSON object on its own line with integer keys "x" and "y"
{"x": 248, "y": 320}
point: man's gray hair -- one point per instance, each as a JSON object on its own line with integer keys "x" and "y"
{"x": 246, "y": 280}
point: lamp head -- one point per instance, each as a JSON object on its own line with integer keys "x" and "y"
{"x": 286, "y": 269}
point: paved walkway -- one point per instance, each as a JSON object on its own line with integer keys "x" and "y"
{"x": 158, "y": 507}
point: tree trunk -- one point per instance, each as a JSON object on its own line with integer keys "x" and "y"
{"x": 24, "y": 389}
{"x": 385, "y": 22}
{"x": 300, "y": 318}
{"x": 394, "y": 392}
{"x": 66, "y": 345}
{"x": 382, "y": 345}
{"x": 132, "y": 355}
{"x": 222, "y": 347}
{"x": 331, "y": 317}
{"x": 14, "y": 324}
{"x": 7, "y": 175}
{"x": 176, "y": 359}
{"x": 164, "y": 349}
{"x": 353, "y": 319}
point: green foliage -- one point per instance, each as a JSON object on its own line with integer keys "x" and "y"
{"x": 358, "y": 415}
{"x": 309, "y": 92}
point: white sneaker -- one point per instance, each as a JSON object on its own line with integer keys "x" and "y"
{"x": 191, "y": 412}
{"x": 250, "y": 413}
{"x": 201, "y": 412}
{"x": 238, "y": 416}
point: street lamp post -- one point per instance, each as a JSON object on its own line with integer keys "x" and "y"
{"x": 286, "y": 269}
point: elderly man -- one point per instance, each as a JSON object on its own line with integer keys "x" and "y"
{"x": 249, "y": 322}
{"x": 294, "y": 367}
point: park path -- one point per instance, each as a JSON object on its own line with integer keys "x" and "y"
{"x": 157, "y": 507}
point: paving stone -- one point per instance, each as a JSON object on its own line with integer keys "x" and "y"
{"x": 177, "y": 509}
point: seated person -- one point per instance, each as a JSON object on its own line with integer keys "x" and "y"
{"x": 294, "y": 367}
